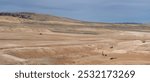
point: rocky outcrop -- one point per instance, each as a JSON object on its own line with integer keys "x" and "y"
{"x": 20, "y": 15}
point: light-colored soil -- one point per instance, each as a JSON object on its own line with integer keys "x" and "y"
{"x": 25, "y": 42}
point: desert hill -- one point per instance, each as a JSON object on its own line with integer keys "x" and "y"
{"x": 30, "y": 38}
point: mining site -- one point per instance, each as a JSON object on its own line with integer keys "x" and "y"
{"x": 39, "y": 39}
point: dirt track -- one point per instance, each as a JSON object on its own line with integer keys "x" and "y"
{"x": 28, "y": 42}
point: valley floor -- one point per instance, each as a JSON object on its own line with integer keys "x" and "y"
{"x": 108, "y": 47}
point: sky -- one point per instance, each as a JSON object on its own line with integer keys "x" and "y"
{"x": 113, "y": 11}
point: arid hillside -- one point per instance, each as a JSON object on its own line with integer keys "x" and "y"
{"x": 30, "y": 38}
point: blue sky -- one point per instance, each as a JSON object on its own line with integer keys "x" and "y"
{"x": 88, "y": 10}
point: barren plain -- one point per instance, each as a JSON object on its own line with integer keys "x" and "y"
{"x": 37, "y": 39}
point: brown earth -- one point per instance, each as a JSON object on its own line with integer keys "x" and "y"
{"x": 44, "y": 39}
